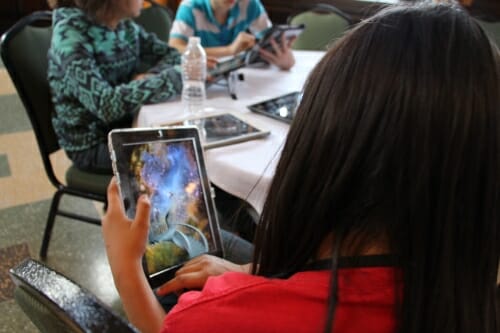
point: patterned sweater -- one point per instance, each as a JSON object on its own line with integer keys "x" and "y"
{"x": 90, "y": 75}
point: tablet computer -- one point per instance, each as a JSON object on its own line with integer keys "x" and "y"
{"x": 223, "y": 129}
{"x": 226, "y": 66}
{"x": 168, "y": 165}
{"x": 275, "y": 32}
{"x": 282, "y": 107}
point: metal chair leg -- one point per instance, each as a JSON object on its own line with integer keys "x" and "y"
{"x": 50, "y": 223}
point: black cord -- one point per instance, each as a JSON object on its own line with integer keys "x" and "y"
{"x": 333, "y": 300}
{"x": 264, "y": 171}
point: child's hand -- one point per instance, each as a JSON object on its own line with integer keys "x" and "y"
{"x": 195, "y": 273}
{"x": 282, "y": 55}
{"x": 141, "y": 76}
{"x": 125, "y": 240}
{"x": 243, "y": 41}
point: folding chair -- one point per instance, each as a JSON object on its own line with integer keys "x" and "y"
{"x": 324, "y": 23}
{"x": 24, "y": 53}
{"x": 55, "y": 304}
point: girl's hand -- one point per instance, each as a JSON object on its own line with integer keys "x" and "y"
{"x": 125, "y": 239}
{"x": 195, "y": 273}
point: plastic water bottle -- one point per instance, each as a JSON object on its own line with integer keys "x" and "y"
{"x": 194, "y": 74}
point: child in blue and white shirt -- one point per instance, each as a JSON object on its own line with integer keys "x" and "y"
{"x": 227, "y": 27}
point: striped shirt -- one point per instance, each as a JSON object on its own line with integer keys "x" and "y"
{"x": 196, "y": 18}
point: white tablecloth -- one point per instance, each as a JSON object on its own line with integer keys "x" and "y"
{"x": 244, "y": 169}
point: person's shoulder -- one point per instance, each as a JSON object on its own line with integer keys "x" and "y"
{"x": 226, "y": 294}
{"x": 234, "y": 280}
{"x": 253, "y": 7}
{"x": 131, "y": 27}
{"x": 69, "y": 18}
{"x": 250, "y": 3}
{"x": 70, "y": 27}
{"x": 186, "y": 14}
{"x": 188, "y": 5}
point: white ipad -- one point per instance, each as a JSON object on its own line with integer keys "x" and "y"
{"x": 167, "y": 164}
{"x": 223, "y": 129}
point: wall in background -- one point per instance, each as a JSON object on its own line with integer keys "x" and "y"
{"x": 13, "y": 10}
{"x": 280, "y": 10}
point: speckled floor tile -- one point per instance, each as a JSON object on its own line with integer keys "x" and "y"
{"x": 9, "y": 257}
{"x": 13, "y": 319}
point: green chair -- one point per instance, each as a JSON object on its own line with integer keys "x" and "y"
{"x": 24, "y": 53}
{"x": 492, "y": 29}
{"x": 324, "y": 23}
{"x": 156, "y": 19}
{"x": 55, "y": 304}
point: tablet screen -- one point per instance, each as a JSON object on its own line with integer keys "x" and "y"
{"x": 282, "y": 107}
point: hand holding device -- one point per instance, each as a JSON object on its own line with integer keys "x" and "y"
{"x": 124, "y": 239}
{"x": 276, "y": 33}
{"x": 281, "y": 54}
{"x": 195, "y": 273}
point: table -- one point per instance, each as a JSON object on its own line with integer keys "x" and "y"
{"x": 244, "y": 169}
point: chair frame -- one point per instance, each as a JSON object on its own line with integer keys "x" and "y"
{"x": 43, "y": 142}
{"x": 324, "y": 8}
{"x": 168, "y": 10}
{"x": 65, "y": 300}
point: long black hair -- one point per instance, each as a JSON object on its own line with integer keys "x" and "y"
{"x": 397, "y": 140}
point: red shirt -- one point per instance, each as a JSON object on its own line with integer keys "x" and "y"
{"x": 237, "y": 302}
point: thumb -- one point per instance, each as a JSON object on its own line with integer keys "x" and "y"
{"x": 141, "y": 220}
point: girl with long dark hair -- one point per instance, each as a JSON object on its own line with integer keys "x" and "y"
{"x": 383, "y": 215}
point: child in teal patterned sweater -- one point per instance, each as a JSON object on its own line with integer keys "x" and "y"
{"x": 94, "y": 75}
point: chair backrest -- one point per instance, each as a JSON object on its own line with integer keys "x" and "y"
{"x": 56, "y": 304}
{"x": 324, "y": 23}
{"x": 492, "y": 29}
{"x": 24, "y": 50}
{"x": 156, "y": 19}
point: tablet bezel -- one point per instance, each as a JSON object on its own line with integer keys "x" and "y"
{"x": 259, "y": 133}
{"x": 119, "y": 137}
{"x": 254, "y": 107}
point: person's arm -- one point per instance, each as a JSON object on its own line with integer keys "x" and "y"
{"x": 125, "y": 242}
{"x": 184, "y": 26}
{"x": 194, "y": 273}
{"x": 73, "y": 72}
{"x": 110, "y": 103}
{"x": 156, "y": 53}
{"x": 242, "y": 42}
